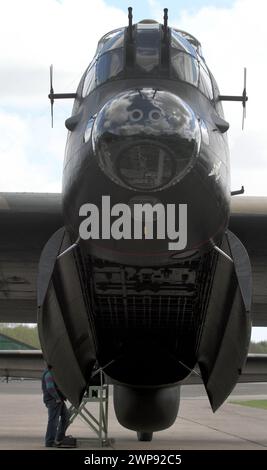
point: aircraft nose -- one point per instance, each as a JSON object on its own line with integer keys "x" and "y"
{"x": 146, "y": 139}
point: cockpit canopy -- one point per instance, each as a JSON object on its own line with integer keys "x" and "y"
{"x": 178, "y": 57}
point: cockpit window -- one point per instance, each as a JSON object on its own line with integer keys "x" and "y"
{"x": 109, "y": 65}
{"x": 180, "y": 42}
{"x": 107, "y": 62}
{"x": 147, "y": 47}
{"x": 187, "y": 63}
{"x": 204, "y": 81}
{"x": 112, "y": 40}
{"x": 188, "y": 38}
{"x": 185, "y": 67}
{"x": 89, "y": 81}
{"x": 147, "y": 53}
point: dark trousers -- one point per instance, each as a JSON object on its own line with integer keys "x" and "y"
{"x": 58, "y": 418}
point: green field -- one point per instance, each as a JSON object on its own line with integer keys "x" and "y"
{"x": 254, "y": 403}
{"x": 21, "y": 333}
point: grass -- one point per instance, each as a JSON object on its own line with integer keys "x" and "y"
{"x": 254, "y": 403}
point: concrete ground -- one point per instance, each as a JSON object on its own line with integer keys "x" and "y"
{"x": 23, "y": 419}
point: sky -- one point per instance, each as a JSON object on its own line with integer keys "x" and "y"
{"x": 36, "y": 33}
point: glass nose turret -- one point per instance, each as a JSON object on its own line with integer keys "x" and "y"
{"x": 146, "y": 140}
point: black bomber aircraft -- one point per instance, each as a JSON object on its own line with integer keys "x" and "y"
{"x": 147, "y": 130}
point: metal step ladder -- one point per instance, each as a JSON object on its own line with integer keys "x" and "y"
{"x": 97, "y": 421}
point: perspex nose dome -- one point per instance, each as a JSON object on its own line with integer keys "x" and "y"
{"x": 146, "y": 139}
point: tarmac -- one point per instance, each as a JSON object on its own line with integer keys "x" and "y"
{"x": 23, "y": 419}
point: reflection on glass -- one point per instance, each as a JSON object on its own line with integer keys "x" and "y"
{"x": 89, "y": 82}
{"x": 180, "y": 42}
{"x": 146, "y": 139}
{"x": 147, "y": 49}
{"x": 112, "y": 40}
{"x": 184, "y": 67}
{"x": 88, "y": 130}
{"x": 109, "y": 65}
{"x": 188, "y": 40}
{"x": 205, "y": 83}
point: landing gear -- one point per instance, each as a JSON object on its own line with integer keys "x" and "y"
{"x": 144, "y": 436}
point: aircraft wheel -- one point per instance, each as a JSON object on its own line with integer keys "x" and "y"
{"x": 144, "y": 436}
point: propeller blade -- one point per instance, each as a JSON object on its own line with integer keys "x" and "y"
{"x": 243, "y": 118}
{"x": 51, "y": 95}
{"x": 51, "y": 77}
{"x": 244, "y": 94}
{"x": 52, "y": 114}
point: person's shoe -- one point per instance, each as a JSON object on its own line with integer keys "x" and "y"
{"x": 67, "y": 441}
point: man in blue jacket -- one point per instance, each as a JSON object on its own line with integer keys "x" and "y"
{"x": 57, "y": 413}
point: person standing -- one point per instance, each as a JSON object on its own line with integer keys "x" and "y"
{"x": 58, "y": 417}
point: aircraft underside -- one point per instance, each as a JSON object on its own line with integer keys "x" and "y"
{"x": 146, "y": 328}
{"x": 148, "y": 321}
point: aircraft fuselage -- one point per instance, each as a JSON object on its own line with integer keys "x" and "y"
{"x": 146, "y": 196}
{"x": 196, "y": 165}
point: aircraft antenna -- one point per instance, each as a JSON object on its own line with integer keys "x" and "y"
{"x": 130, "y": 24}
{"x": 165, "y": 22}
{"x": 51, "y": 96}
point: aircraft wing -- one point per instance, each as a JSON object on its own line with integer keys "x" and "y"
{"x": 249, "y": 223}
{"x": 27, "y": 364}
{"x": 30, "y": 364}
{"x": 28, "y": 220}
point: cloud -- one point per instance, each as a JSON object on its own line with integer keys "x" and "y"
{"x": 26, "y": 164}
{"x": 233, "y": 38}
{"x": 37, "y": 33}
